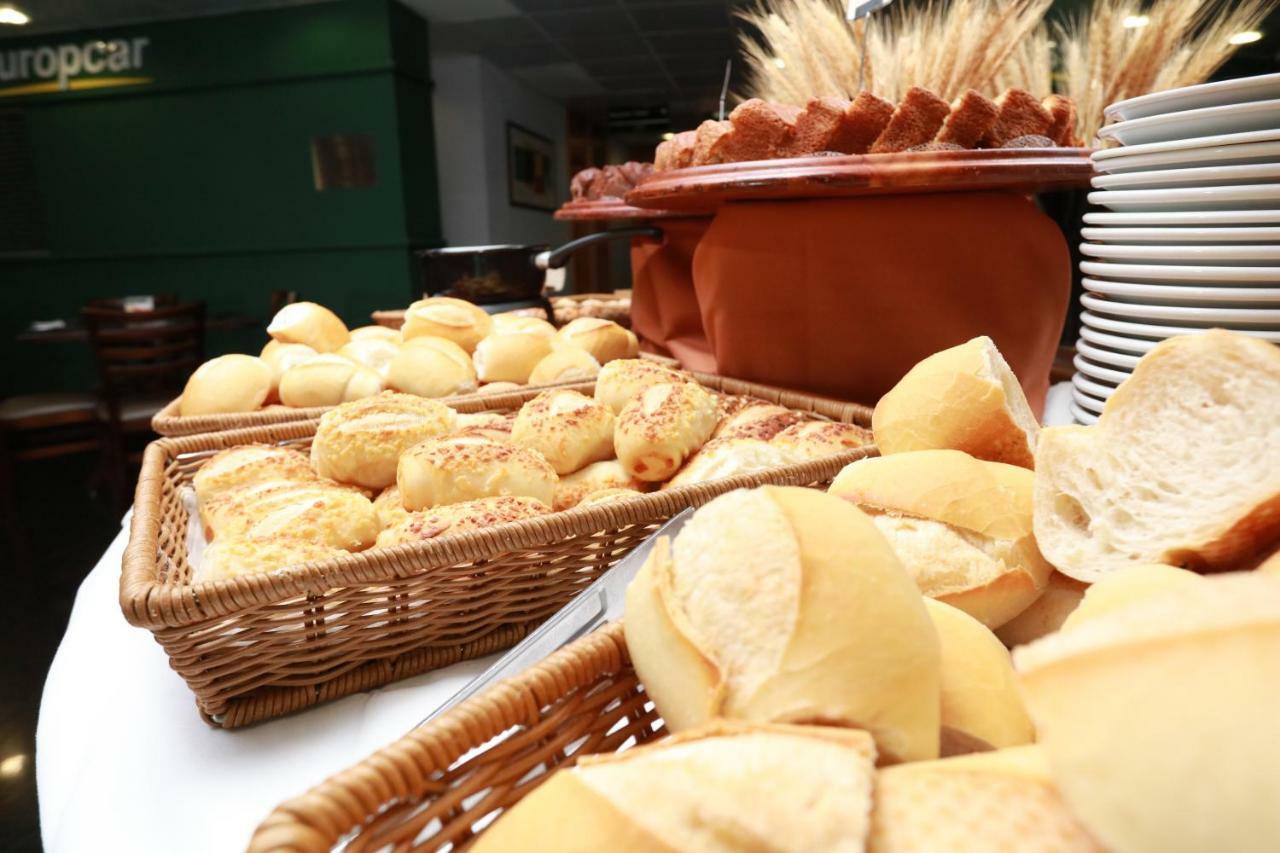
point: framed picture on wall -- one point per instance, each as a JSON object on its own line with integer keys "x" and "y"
{"x": 530, "y": 174}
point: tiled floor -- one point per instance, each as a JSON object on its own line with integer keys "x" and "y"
{"x": 68, "y": 530}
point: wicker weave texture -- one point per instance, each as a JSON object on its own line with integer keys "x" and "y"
{"x": 259, "y": 646}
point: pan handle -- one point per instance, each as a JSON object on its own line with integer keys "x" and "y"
{"x": 553, "y": 259}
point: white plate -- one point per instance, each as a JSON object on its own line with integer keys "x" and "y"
{"x": 1156, "y": 234}
{"x": 1240, "y": 90}
{"x": 1246, "y": 256}
{"x": 1198, "y": 218}
{"x": 1086, "y": 402}
{"x": 1222, "y": 176}
{"x": 1269, "y": 317}
{"x": 1081, "y": 416}
{"x": 1124, "y": 360}
{"x": 1088, "y": 387}
{"x": 1164, "y": 330}
{"x": 1140, "y": 346}
{"x": 1181, "y": 272}
{"x": 1186, "y": 143}
{"x": 1100, "y": 372}
{"x": 1210, "y": 155}
{"x": 1190, "y": 199}
{"x": 1207, "y": 121}
{"x": 1178, "y": 294}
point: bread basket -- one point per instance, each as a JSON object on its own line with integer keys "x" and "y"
{"x": 260, "y": 646}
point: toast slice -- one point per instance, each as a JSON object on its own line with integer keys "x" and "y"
{"x": 761, "y": 131}
{"x": 1020, "y": 115}
{"x": 1183, "y": 466}
{"x": 816, "y": 126}
{"x": 864, "y": 121}
{"x": 972, "y": 116}
{"x": 915, "y": 122}
{"x": 1062, "y": 127}
{"x": 709, "y": 142}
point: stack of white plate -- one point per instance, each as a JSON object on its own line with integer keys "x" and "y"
{"x": 1189, "y": 235}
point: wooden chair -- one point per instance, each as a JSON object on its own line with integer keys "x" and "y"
{"x": 143, "y": 360}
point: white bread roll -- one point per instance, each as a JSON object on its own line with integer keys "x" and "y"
{"x": 376, "y": 333}
{"x": 507, "y": 323}
{"x": 238, "y": 508}
{"x": 728, "y": 787}
{"x": 623, "y": 379}
{"x": 981, "y": 709}
{"x": 361, "y": 442}
{"x": 246, "y": 464}
{"x": 445, "y": 317}
{"x": 657, "y": 431}
{"x": 961, "y": 526}
{"x": 374, "y": 353}
{"x": 432, "y": 367}
{"x": 1061, "y": 596}
{"x": 327, "y": 380}
{"x": 1182, "y": 467}
{"x": 804, "y": 442}
{"x": 569, "y": 429}
{"x": 567, "y": 364}
{"x": 280, "y": 357}
{"x": 606, "y": 495}
{"x": 728, "y": 457}
{"x": 597, "y": 477}
{"x": 1126, "y": 586}
{"x": 761, "y": 421}
{"x": 604, "y": 339}
{"x": 980, "y": 803}
{"x": 499, "y": 387}
{"x": 465, "y": 467}
{"x": 316, "y": 512}
{"x": 229, "y": 557}
{"x": 510, "y": 357}
{"x": 388, "y": 507}
{"x": 310, "y": 324}
{"x": 480, "y": 514}
{"x": 226, "y": 384}
{"x": 963, "y": 398}
{"x": 1159, "y": 718}
{"x": 786, "y": 604}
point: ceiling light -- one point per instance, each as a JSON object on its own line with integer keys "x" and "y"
{"x": 1246, "y": 37}
{"x": 780, "y": 62}
{"x": 13, "y": 15}
{"x": 12, "y": 766}
{"x": 1135, "y": 22}
{"x": 668, "y": 136}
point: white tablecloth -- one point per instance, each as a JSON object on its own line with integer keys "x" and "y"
{"x": 124, "y": 762}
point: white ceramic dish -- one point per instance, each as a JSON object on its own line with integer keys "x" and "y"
{"x": 1189, "y": 314}
{"x": 1128, "y": 328}
{"x": 1186, "y": 143}
{"x": 1222, "y": 176}
{"x": 1240, "y": 90}
{"x": 1183, "y": 158}
{"x": 1100, "y": 372}
{"x": 1098, "y": 355}
{"x": 1206, "y": 121}
{"x": 1177, "y": 294}
{"x": 1197, "y": 218}
{"x": 1081, "y": 416}
{"x": 1170, "y": 253}
{"x": 1181, "y": 272}
{"x": 1097, "y": 390}
{"x": 1191, "y": 199}
{"x": 1227, "y": 234}
{"x": 1135, "y": 345}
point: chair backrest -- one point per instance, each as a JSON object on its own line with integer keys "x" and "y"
{"x": 144, "y": 353}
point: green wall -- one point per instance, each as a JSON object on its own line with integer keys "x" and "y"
{"x": 200, "y": 182}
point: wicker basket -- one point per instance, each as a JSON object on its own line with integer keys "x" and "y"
{"x": 260, "y": 646}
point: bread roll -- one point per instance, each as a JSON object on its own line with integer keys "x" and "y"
{"x": 727, "y": 787}
{"x": 432, "y": 367}
{"x": 1271, "y": 565}
{"x": 388, "y": 507}
{"x": 728, "y": 457}
{"x": 510, "y": 357}
{"x": 786, "y": 604}
{"x": 663, "y": 427}
{"x": 569, "y": 429}
{"x": 623, "y": 379}
{"x": 961, "y": 526}
{"x": 280, "y": 357}
{"x": 486, "y": 424}
{"x": 310, "y": 324}
{"x": 374, "y": 353}
{"x": 479, "y": 514}
{"x": 330, "y": 515}
{"x": 499, "y": 388}
{"x": 236, "y": 509}
{"x": 463, "y": 468}
{"x": 327, "y": 380}
{"x": 761, "y": 421}
{"x": 246, "y": 464}
{"x": 376, "y": 333}
{"x": 606, "y": 496}
{"x": 963, "y": 398}
{"x": 597, "y": 477}
{"x": 444, "y": 317}
{"x": 804, "y": 442}
{"x": 1159, "y": 718}
{"x": 228, "y": 383}
{"x": 1183, "y": 466}
{"x": 507, "y": 323}
{"x": 229, "y": 558}
{"x": 567, "y": 364}
{"x": 361, "y": 442}
{"x": 981, "y": 803}
{"x": 604, "y": 339}
{"x": 1126, "y": 586}
{"x": 981, "y": 708}
{"x": 1046, "y": 614}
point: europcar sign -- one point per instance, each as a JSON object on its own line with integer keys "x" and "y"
{"x": 73, "y": 66}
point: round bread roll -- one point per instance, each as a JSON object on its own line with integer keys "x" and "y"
{"x": 1122, "y": 588}
{"x": 228, "y": 383}
{"x": 500, "y": 387}
{"x": 466, "y": 467}
{"x": 623, "y": 379}
{"x": 725, "y": 787}
{"x": 1159, "y": 718}
{"x": 728, "y": 457}
{"x": 1046, "y": 614}
{"x": 988, "y": 801}
{"x": 432, "y": 367}
{"x": 568, "y": 428}
{"x": 227, "y": 510}
{"x": 760, "y": 421}
{"x": 963, "y": 398}
{"x": 310, "y": 324}
{"x": 444, "y": 317}
{"x": 605, "y": 496}
{"x": 507, "y": 323}
{"x": 327, "y": 380}
{"x": 597, "y": 477}
{"x": 981, "y": 709}
{"x": 376, "y": 333}
{"x": 479, "y": 514}
{"x": 604, "y": 339}
{"x": 246, "y": 464}
{"x": 786, "y": 604}
{"x": 510, "y": 357}
{"x": 389, "y": 508}
{"x": 489, "y": 425}
{"x": 661, "y": 428}
{"x": 810, "y": 440}
{"x": 318, "y": 512}
{"x": 567, "y": 364}
{"x": 374, "y": 353}
{"x": 280, "y": 357}
{"x": 961, "y": 526}
{"x": 229, "y": 558}
{"x": 361, "y": 442}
